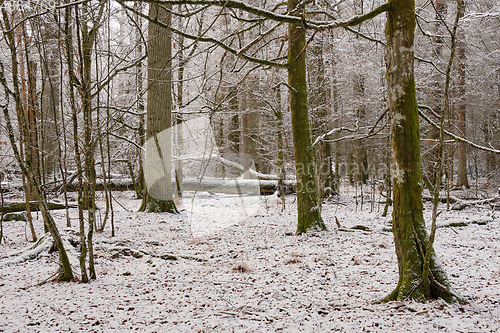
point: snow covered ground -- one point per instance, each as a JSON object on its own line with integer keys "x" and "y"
{"x": 240, "y": 268}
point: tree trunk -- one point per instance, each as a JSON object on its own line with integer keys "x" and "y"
{"x": 281, "y": 148}
{"x": 410, "y": 235}
{"x": 159, "y": 121}
{"x": 309, "y": 215}
{"x": 431, "y": 134}
{"x": 462, "y": 180}
{"x": 74, "y": 117}
{"x": 318, "y": 101}
{"x": 337, "y": 123}
{"x": 32, "y": 138}
{"x": 179, "y": 175}
{"x": 29, "y": 146}
{"x": 141, "y": 185}
{"x": 234, "y": 128}
{"x": 88, "y": 38}
{"x": 250, "y": 119}
{"x": 50, "y": 97}
{"x": 361, "y": 160}
{"x": 387, "y": 177}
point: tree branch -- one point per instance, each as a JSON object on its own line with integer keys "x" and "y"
{"x": 311, "y": 24}
{"x": 456, "y": 137}
{"x": 200, "y": 38}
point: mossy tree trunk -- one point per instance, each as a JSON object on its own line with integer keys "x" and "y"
{"x": 65, "y": 272}
{"x": 309, "y": 215}
{"x": 410, "y": 235}
{"x": 159, "y": 109}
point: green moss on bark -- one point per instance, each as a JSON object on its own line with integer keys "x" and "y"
{"x": 410, "y": 235}
{"x": 309, "y": 216}
{"x": 160, "y": 206}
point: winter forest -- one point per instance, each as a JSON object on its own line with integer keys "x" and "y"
{"x": 249, "y": 166}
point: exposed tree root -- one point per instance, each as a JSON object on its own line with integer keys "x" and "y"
{"x": 160, "y": 206}
{"x": 443, "y": 289}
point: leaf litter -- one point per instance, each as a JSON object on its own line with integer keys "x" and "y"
{"x": 211, "y": 269}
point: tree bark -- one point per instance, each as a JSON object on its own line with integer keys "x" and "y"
{"x": 462, "y": 180}
{"x": 281, "y": 148}
{"x": 141, "y": 185}
{"x": 179, "y": 175}
{"x": 410, "y": 235}
{"x": 159, "y": 108}
{"x": 431, "y": 134}
{"x": 309, "y": 215}
{"x": 88, "y": 35}
{"x": 68, "y": 31}
{"x": 50, "y": 96}
{"x": 318, "y": 101}
{"x": 250, "y": 119}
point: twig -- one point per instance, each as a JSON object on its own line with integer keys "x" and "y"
{"x": 50, "y": 278}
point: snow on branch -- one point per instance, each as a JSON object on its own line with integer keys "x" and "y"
{"x": 456, "y": 137}
{"x": 311, "y": 24}
{"x": 201, "y": 38}
{"x": 322, "y": 137}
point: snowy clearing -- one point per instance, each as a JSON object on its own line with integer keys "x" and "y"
{"x": 233, "y": 264}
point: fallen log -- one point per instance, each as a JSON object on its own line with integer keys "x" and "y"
{"x": 465, "y": 223}
{"x": 494, "y": 203}
{"x": 215, "y": 185}
{"x": 19, "y": 206}
{"x": 15, "y": 217}
{"x": 441, "y": 199}
{"x": 124, "y": 184}
{"x": 236, "y": 186}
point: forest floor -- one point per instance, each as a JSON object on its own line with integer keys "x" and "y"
{"x": 239, "y": 268}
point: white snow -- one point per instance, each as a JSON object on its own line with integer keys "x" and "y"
{"x": 319, "y": 282}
